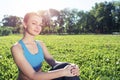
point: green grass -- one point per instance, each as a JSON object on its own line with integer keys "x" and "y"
{"x": 98, "y": 56}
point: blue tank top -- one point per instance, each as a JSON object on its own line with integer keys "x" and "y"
{"x": 35, "y": 60}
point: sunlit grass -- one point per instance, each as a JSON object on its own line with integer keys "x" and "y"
{"x": 97, "y": 55}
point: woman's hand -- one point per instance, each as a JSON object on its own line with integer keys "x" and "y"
{"x": 75, "y": 70}
{"x": 69, "y": 71}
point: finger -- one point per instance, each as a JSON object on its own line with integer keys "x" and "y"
{"x": 74, "y": 72}
{"x": 78, "y": 73}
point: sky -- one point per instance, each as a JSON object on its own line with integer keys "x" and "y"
{"x": 21, "y": 7}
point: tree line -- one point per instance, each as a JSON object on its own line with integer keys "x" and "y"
{"x": 103, "y": 18}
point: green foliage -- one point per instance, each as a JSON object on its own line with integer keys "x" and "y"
{"x": 4, "y": 31}
{"x": 103, "y": 12}
{"x": 96, "y": 55}
{"x": 13, "y": 21}
{"x": 103, "y": 18}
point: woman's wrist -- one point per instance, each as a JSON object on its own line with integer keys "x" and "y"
{"x": 62, "y": 72}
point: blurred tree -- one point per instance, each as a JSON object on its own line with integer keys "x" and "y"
{"x": 68, "y": 19}
{"x": 82, "y": 21}
{"x": 49, "y": 19}
{"x": 104, "y": 19}
{"x": 116, "y": 16}
{"x": 12, "y": 21}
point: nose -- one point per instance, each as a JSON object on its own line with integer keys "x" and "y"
{"x": 38, "y": 27}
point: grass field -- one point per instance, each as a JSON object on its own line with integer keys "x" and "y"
{"x": 98, "y": 56}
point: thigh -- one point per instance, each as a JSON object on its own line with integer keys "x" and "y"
{"x": 59, "y": 66}
{"x": 72, "y": 78}
{"x": 61, "y": 78}
{"x": 68, "y": 78}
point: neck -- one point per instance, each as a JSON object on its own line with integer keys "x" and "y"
{"x": 28, "y": 38}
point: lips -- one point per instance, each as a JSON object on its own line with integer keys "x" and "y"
{"x": 37, "y": 31}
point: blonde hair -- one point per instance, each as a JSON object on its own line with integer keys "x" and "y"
{"x": 27, "y": 16}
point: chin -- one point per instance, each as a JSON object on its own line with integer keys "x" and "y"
{"x": 35, "y": 34}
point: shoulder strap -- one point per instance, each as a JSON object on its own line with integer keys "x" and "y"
{"x": 22, "y": 45}
{"x": 38, "y": 43}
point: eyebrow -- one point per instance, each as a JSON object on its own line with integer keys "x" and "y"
{"x": 37, "y": 21}
{"x": 33, "y": 20}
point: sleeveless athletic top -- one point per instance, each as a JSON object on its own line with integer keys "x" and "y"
{"x": 35, "y": 60}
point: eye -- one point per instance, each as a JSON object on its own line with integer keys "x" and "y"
{"x": 34, "y": 23}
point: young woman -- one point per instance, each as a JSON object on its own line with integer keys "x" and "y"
{"x": 29, "y": 54}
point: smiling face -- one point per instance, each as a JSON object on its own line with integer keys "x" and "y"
{"x": 32, "y": 24}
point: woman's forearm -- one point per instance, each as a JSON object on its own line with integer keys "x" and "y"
{"x": 48, "y": 75}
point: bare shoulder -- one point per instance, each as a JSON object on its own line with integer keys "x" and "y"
{"x": 16, "y": 48}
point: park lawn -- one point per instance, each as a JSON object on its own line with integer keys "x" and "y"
{"x": 98, "y": 56}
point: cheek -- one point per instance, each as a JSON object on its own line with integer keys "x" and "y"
{"x": 28, "y": 28}
{"x": 40, "y": 29}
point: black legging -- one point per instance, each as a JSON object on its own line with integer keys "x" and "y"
{"x": 62, "y": 65}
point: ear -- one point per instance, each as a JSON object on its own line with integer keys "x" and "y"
{"x": 24, "y": 25}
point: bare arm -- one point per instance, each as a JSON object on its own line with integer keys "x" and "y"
{"x": 27, "y": 69}
{"x": 48, "y": 57}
